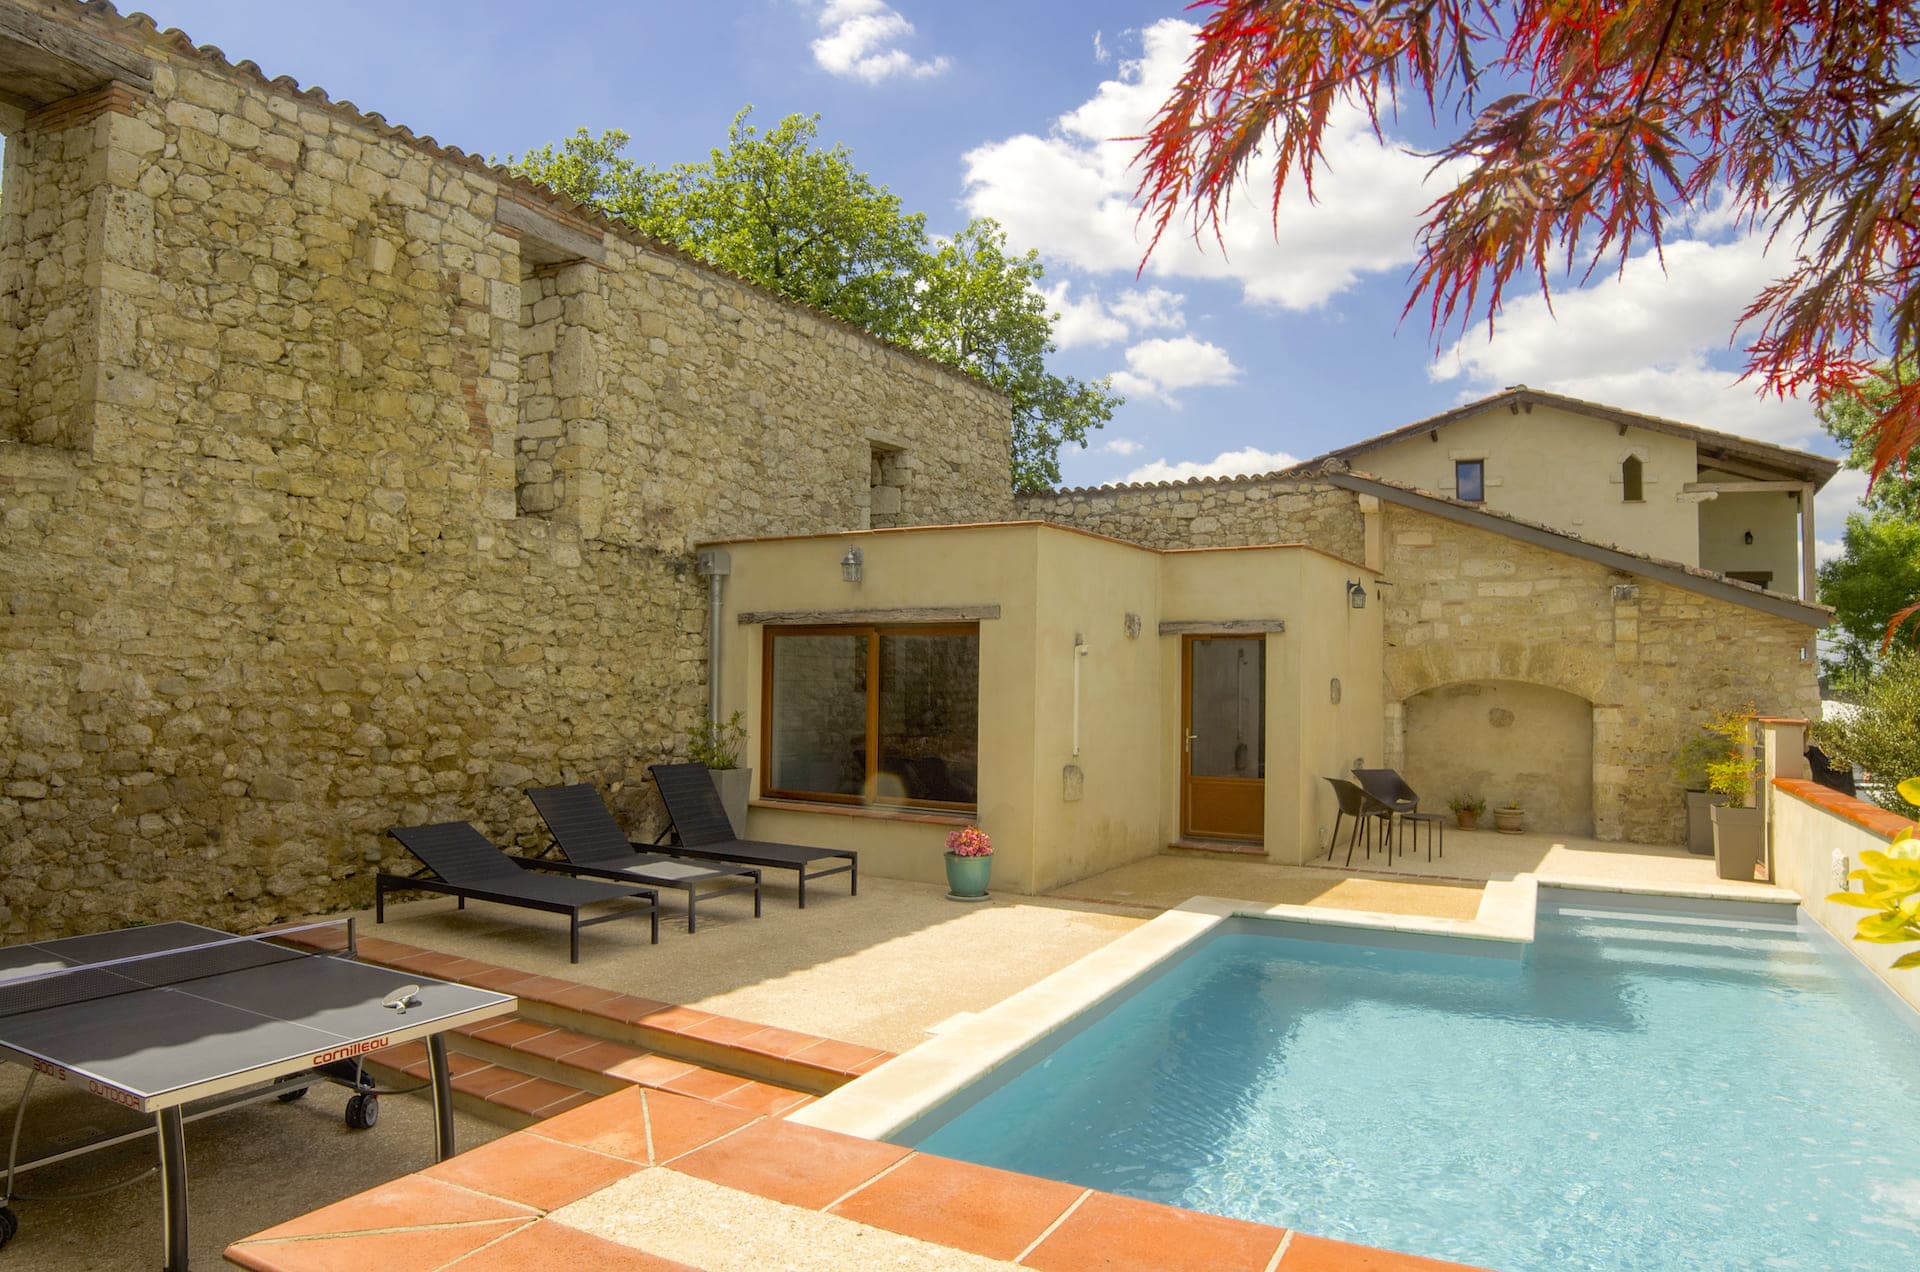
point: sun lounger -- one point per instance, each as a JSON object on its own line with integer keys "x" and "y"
{"x": 699, "y": 822}
{"x": 463, "y": 864}
{"x": 596, "y": 848}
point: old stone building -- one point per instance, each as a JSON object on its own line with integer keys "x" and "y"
{"x": 347, "y": 481}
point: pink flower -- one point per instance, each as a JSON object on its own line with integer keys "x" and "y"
{"x": 970, "y": 841}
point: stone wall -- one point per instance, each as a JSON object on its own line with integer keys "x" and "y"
{"x": 331, "y": 501}
{"x": 1209, "y": 514}
{"x": 1469, "y": 606}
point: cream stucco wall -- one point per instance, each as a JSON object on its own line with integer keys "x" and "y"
{"x": 1056, "y": 816}
{"x": 1773, "y": 516}
{"x": 1561, "y": 469}
{"x": 1807, "y": 842}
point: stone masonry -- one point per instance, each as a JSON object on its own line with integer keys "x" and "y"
{"x": 1206, "y": 513}
{"x": 347, "y": 483}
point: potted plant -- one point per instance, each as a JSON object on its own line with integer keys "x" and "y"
{"x": 1467, "y": 810}
{"x": 1690, "y": 770}
{"x": 1739, "y": 837}
{"x": 1510, "y": 818}
{"x": 716, "y": 744}
{"x": 969, "y": 863}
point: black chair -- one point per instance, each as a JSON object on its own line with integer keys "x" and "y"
{"x": 464, "y": 864}
{"x": 700, "y": 824}
{"x": 1829, "y": 774}
{"x": 596, "y": 848}
{"x": 1364, "y": 810}
{"x": 1388, "y": 787}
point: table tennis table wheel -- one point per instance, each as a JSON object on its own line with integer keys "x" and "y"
{"x": 363, "y": 1111}
{"x": 9, "y": 1224}
{"x": 288, "y": 1097}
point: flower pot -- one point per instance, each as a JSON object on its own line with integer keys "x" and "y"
{"x": 1509, "y": 821}
{"x": 967, "y": 877}
{"x": 1699, "y": 824}
{"x": 1739, "y": 843}
{"x": 735, "y": 785}
{"x": 1467, "y": 821}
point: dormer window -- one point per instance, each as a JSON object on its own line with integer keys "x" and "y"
{"x": 1630, "y": 479}
{"x": 1470, "y": 480}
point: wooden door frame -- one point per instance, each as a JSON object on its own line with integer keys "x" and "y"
{"x": 1184, "y": 755}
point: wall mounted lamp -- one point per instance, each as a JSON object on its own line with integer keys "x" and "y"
{"x": 1356, "y": 594}
{"x": 852, "y": 565}
{"x": 1749, "y": 538}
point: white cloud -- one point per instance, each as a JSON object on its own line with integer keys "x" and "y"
{"x": 1249, "y": 461}
{"x": 1644, "y": 339}
{"x": 1070, "y": 194}
{"x": 1121, "y": 446}
{"x": 1101, "y": 53}
{"x": 1093, "y": 321}
{"x": 1831, "y": 506}
{"x": 1161, "y": 368}
{"x": 862, "y": 40}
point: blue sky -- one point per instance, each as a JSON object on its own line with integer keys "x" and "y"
{"x": 1280, "y": 348}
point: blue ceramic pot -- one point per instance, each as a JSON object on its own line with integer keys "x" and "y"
{"x": 967, "y": 876}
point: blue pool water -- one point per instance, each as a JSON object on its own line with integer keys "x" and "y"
{"x": 1647, "y": 1090}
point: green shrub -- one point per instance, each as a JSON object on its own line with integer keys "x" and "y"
{"x": 1722, "y": 757}
{"x": 716, "y": 744}
{"x": 1883, "y": 736}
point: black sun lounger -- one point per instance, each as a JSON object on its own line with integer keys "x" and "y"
{"x": 596, "y": 848}
{"x": 701, "y": 826}
{"x": 464, "y": 864}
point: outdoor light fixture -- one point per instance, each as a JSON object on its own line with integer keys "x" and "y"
{"x": 1356, "y": 594}
{"x": 851, "y": 565}
{"x": 1749, "y": 538}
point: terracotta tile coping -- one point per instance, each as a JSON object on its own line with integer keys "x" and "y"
{"x": 495, "y": 1206}
{"x": 1869, "y": 817}
{"x": 830, "y": 1057}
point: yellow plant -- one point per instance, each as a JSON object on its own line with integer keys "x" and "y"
{"x": 1890, "y": 883}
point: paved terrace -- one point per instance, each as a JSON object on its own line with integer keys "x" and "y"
{"x": 879, "y": 971}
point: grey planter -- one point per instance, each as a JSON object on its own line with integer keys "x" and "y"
{"x": 1700, "y": 823}
{"x": 736, "y": 787}
{"x": 1739, "y": 842}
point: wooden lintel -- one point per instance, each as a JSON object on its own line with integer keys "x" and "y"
{"x": 565, "y": 238}
{"x": 871, "y": 617}
{"x": 1222, "y": 626}
{"x": 43, "y": 60}
{"x": 1739, "y": 487}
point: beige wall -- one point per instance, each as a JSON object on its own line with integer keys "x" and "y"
{"x": 1773, "y": 516}
{"x": 1052, "y": 586}
{"x": 1560, "y": 469}
{"x": 1503, "y": 740}
{"x": 1807, "y": 842}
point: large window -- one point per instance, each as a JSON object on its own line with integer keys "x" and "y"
{"x": 873, "y": 715}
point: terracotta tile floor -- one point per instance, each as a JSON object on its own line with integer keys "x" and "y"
{"x": 507, "y": 1193}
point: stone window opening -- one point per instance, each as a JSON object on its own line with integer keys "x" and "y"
{"x": 887, "y": 473}
{"x": 1632, "y": 487}
{"x": 1470, "y": 480}
{"x": 538, "y": 488}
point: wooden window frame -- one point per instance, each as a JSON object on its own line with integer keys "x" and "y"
{"x": 873, "y": 632}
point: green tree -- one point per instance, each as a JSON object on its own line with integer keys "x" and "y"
{"x": 979, "y": 306}
{"x": 1882, "y": 735}
{"x": 775, "y": 208}
{"x": 1849, "y": 419}
{"x": 1875, "y": 575}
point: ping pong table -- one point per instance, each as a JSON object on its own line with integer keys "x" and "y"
{"x": 180, "y": 1021}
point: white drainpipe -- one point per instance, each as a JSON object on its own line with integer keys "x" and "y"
{"x": 715, "y": 566}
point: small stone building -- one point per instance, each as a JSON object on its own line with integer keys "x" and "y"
{"x": 347, "y": 481}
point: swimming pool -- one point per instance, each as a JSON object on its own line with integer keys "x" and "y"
{"x": 1655, "y": 1086}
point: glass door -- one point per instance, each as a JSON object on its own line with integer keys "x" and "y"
{"x": 1223, "y": 787}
